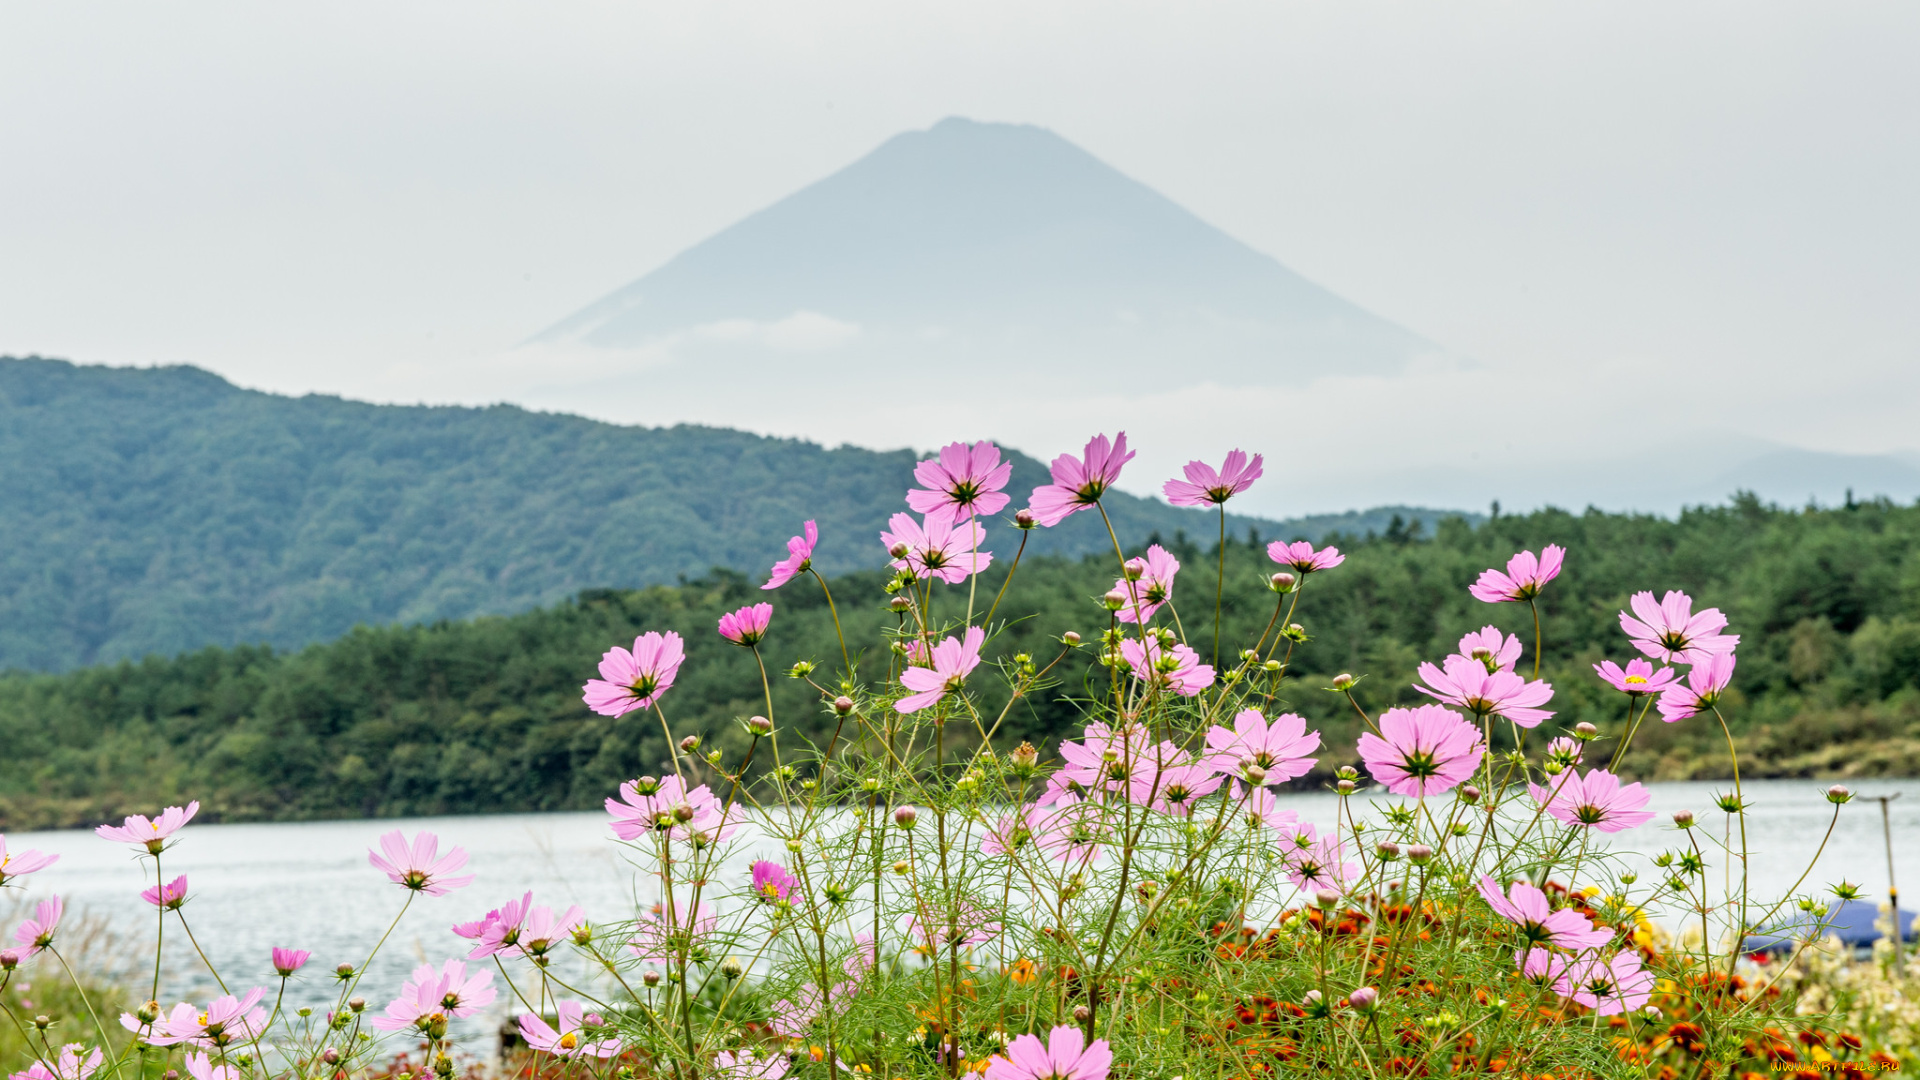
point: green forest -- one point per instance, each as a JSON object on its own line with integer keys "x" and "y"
{"x": 158, "y": 510}
{"x": 485, "y": 715}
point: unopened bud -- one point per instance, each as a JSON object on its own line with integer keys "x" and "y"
{"x": 1839, "y": 794}
{"x": 903, "y": 867}
{"x": 899, "y": 549}
{"x": 1114, "y": 600}
{"x": 1070, "y": 638}
{"x": 1345, "y": 787}
{"x": 1326, "y": 898}
{"x": 713, "y": 757}
{"x": 330, "y": 1056}
{"x": 43, "y": 1022}
{"x": 344, "y": 971}
{"x": 1024, "y": 519}
{"x": 1469, "y": 794}
{"x": 1282, "y": 582}
{"x": 683, "y": 811}
{"x": 1294, "y": 632}
{"x": 583, "y": 935}
{"x": 1388, "y": 851}
{"x": 651, "y": 978}
{"x": 1082, "y": 1014}
{"x": 1364, "y": 999}
{"x": 760, "y": 725}
{"x": 730, "y": 968}
{"x": 356, "y": 1003}
{"x": 1343, "y": 682}
{"x": 1585, "y": 732}
{"x": 1683, "y": 818}
{"x": 900, "y": 605}
{"x": 905, "y": 817}
{"x": 689, "y": 744}
{"x": 1134, "y": 569}
{"x": 1254, "y": 773}
{"x": 1312, "y": 997}
{"x": 1024, "y": 758}
{"x": 843, "y": 705}
{"x": 1419, "y": 854}
{"x": 147, "y": 1013}
{"x": 1481, "y": 653}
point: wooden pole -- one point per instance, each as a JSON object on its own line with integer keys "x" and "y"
{"x": 1893, "y": 891}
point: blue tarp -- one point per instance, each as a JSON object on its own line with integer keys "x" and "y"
{"x": 1849, "y": 920}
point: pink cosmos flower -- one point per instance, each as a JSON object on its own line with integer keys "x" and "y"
{"x": 953, "y": 660}
{"x": 635, "y": 680}
{"x": 72, "y": 1064}
{"x": 446, "y": 992}
{"x": 772, "y": 882}
{"x": 225, "y": 1021}
{"x": 1317, "y": 862}
{"x": 1070, "y": 831}
{"x": 1174, "y": 790}
{"x": 1154, "y": 588}
{"x": 942, "y": 548}
{"x": 545, "y": 929}
{"x": 288, "y": 961}
{"x": 1010, "y": 833}
{"x": 1639, "y": 678}
{"x": 150, "y": 833}
{"x": 1528, "y": 908}
{"x": 1670, "y": 631}
{"x": 1502, "y": 650}
{"x": 1282, "y": 748}
{"x": 37, "y": 933}
{"x": 1525, "y": 576}
{"x": 1620, "y": 983}
{"x": 498, "y": 930}
{"x": 21, "y": 863}
{"x": 420, "y": 867}
{"x": 1705, "y": 683}
{"x": 799, "y": 558}
{"x": 568, "y": 1041}
{"x": 1064, "y": 1056}
{"x": 1301, "y": 556}
{"x": 1203, "y": 486}
{"x": 745, "y": 1065}
{"x": 202, "y": 1067}
{"x": 1566, "y": 751}
{"x": 971, "y": 925}
{"x": 1106, "y": 759}
{"x": 1545, "y": 968}
{"x": 1468, "y": 684}
{"x": 1078, "y": 482}
{"x": 170, "y": 897}
{"x": 656, "y": 940}
{"x": 748, "y": 625}
{"x": 1422, "y": 751}
{"x": 1177, "y": 668}
{"x": 964, "y": 481}
{"x": 1261, "y": 810}
{"x": 1595, "y": 800}
{"x": 647, "y": 807}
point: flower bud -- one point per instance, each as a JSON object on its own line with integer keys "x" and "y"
{"x": 149, "y": 1012}
{"x": 1585, "y": 732}
{"x": 344, "y": 971}
{"x": 759, "y": 725}
{"x": 903, "y": 867}
{"x": 1071, "y": 639}
{"x": 43, "y": 1022}
{"x": 1282, "y": 582}
{"x": 1839, "y": 795}
{"x": 1114, "y": 600}
{"x": 170, "y": 1074}
{"x": 1343, "y": 682}
{"x": 583, "y": 935}
{"x": 1388, "y": 851}
{"x": 1345, "y": 787}
{"x": 356, "y": 1003}
{"x": 1271, "y": 666}
{"x": 1469, "y": 794}
{"x": 1553, "y": 768}
{"x": 1024, "y": 519}
{"x": 795, "y": 846}
{"x": 689, "y": 744}
{"x": 900, "y": 605}
{"x": 1312, "y": 998}
{"x": 1346, "y": 772}
{"x": 871, "y": 783}
{"x": 1253, "y": 772}
{"x": 1364, "y": 999}
{"x": 1024, "y": 758}
{"x": 1683, "y": 818}
{"x": 1481, "y": 653}
{"x": 1653, "y": 1012}
{"x": 731, "y": 969}
{"x": 683, "y": 811}
{"x": 330, "y": 1056}
{"x": 651, "y": 978}
{"x": 1294, "y": 632}
{"x": 899, "y": 549}
{"x": 713, "y": 757}
{"x": 842, "y": 705}
{"x": 1419, "y": 854}
{"x": 10, "y": 959}
{"x": 1082, "y": 1014}
{"x": 1326, "y": 899}
{"x": 905, "y": 817}
{"x": 1134, "y": 569}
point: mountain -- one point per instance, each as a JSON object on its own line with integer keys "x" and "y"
{"x": 974, "y": 249}
{"x": 159, "y": 510}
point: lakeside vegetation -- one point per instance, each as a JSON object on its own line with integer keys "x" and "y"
{"x": 485, "y": 715}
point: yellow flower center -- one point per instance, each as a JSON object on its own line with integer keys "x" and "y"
{"x": 1636, "y": 679}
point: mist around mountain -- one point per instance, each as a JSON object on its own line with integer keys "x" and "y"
{"x": 161, "y": 510}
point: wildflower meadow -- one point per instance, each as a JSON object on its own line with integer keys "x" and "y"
{"x": 912, "y": 897}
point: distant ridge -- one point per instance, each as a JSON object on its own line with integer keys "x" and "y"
{"x": 160, "y": 510}
{"x": 1001, "y": 246}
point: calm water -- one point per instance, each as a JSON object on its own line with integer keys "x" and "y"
{"x": 308, "y": 885}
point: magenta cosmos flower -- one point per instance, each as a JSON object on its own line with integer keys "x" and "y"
{"x": 1620, "y": 983}
{"x": 498, "y": 930}
{"x": 748, "y": 625}
{"x": 1489, "y": 647}
{"x": 1422, "y": 751}
{"x": 1078, "y": 482}
{"x": 1670, "y": 632}
{"x": 74, "y": 1063}
{"x": 1176, "y": 789}
{"x": 1282, "y": 748}
{"x": 202, "y": 1067}
{"x": 150, "y": 833}
{"x": 1528, "y": 908}
{"x": 1526, "y": 575}
{"x": 448, "y": 992}
{"x": 18, "y": 864}
{"x": 649, "y": 807}
{"x": 799, "y": 558}
{"x": 1301, "y": 556}
{"x": 288, "y": 961}
{"x": 952, "y": 660}
{"x": 568, "y": 1040}
{"x": 1154, "y": 588}
{"x": 964, "y": 481}
{"x": 420, "y": 866}
{"x": 1705, "y": 683}
{"x": 1316, "y": 862}
{"x": 771, "y": 882}
{"x": 169, "y": 897}
{"x": 1468, "y": 684}
{"x": 1176, "y": 668}
{"x": 225, "y": 1021}
{"x": 545, "y": 929}
{"x": 745, "y": 1065}
{"x": 1638, "y": 678}
{"x": 941, "y": 548}
{"x": 1104, "y": 759}
{"x": 1565, "y": 752}
{"x": 1205, "y": 487}
{"x": 1544, "y": 967}
{"x": 1595, "y": 800}
{"x": 635, "y": 680}
{"x": 37, "y": 933}
{"x": 1261, "y": 810}
{"x": 1064, "y": 1056}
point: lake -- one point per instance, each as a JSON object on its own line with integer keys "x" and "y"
{"x": 308, "y": 885}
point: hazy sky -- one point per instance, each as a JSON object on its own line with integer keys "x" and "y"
{"x": 1649, "y": 223}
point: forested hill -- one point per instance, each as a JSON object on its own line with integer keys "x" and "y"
{"x": 485, "y": 715}
{"x": 160, "y": 510}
